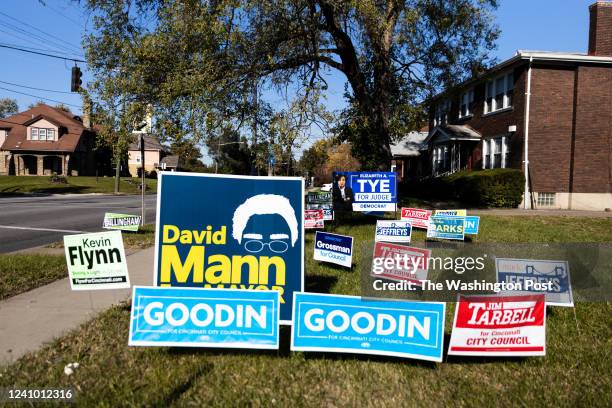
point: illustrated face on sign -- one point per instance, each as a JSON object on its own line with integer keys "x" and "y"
{"x": 253, "y": 220}
{"x": 341, "y": 181}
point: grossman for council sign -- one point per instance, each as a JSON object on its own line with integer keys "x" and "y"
{"x": 237, "y": 232}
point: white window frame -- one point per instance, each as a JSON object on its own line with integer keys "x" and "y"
{"x": 441, "y": 112}
{"x": 491, "y": 91}
{"x": 546, "y": 199}
{"x": 32, "y": 132}
{"x": 50, "y": 134}
{"x": 467, "y": 100}
{"x": 42, "y": 134}
{"x": 489, "y": 151}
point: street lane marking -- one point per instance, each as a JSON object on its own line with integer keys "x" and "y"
{"x": 40, "y": 229}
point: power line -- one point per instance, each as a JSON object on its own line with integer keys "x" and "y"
{"x": 37, "y": 89}
{"x": 38, "y": 29}
{"x": 40, "y": 97}
{"x": 41, "y": 39}
{"x": 42, "y": 53}
{"x": 38, "y": 49}
{"x": 60, "y": 13}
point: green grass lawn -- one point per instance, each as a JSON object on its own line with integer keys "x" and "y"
{"x": 13, "y": 185}
{"x": 575, "y": 371}
{"x": 21, "y": 273}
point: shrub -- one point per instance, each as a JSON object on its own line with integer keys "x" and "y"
{"x": 482, "y": 188}
{"x": 489, "y": 188}
{"x": 54, "y": 178}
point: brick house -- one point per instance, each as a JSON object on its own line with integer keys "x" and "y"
{"x": 546, "y": 113}
{"x": 44, "y": 140}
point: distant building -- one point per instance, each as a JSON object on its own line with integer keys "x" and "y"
{"x": 407, "y": 157}
{"x": 45, "y": 140}
{"x": 153, "y": 155}
{"x": 546, "y": 113}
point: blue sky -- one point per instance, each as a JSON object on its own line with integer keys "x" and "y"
{"x": 549, "y": 25}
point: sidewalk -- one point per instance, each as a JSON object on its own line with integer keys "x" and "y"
{"x": 30, "y": 319}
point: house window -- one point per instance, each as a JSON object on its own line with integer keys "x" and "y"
{"x": 441, "y": 112}
{"x": 466, "y": 104}
{"x": 42, "y": 134}
{"x": 495, "y": 153}
{"x": 546, "y": 199}
{"x": 499, "y": 93}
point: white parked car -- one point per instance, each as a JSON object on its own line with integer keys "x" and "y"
{"x": 327, "y": 187}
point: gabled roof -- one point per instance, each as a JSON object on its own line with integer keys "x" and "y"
{"x": 16, "y": 139}
{"x": 452, "y": 132}
{"x": 410, "y": 145}
{"x": 171, "y": 161}
{"x": 151, "y": 142}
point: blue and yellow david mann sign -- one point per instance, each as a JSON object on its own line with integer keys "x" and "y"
{"x": 235, "y": 232}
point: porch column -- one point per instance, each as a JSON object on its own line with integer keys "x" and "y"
{"x": 63, "y": 164}
{"x": 17, "y": 159}
{"x": 39, "y": 165}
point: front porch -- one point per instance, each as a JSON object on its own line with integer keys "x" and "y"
{"x": 451, "y": 149}
{"x": 33, "y": 164}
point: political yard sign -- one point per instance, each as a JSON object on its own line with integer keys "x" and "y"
{"x": 189, "y": 317}
{"x": 321, "y": 200}
{"x": 236, "y": 232}
{"x": 551, "y": 278}
{"x": 472, "y": 224}
{"x": 457, "y": 213}
{"x": 393, "y": 231}
{"x": 313, "y": 219}
{"x": 446, "y": 227}
{"x": 96, "y": 261}
{"x": 348, "y": 324}
{"x": 499, "y": 326}
{"x": 124, "y": 222}
{"x": 365, "y": 191}
{"x": 333, "y": 248}
{"x": 417, "y": 217}
{"x": 412, "y": 265}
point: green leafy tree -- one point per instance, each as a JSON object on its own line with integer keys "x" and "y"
{"x": 189, "y": 156}
{"x": 197, "y": 62}
{"x": 8, "y": 107}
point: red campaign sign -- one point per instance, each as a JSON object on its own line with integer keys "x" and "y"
{"x": 410, "y": 260}
{"x": 418, "y": 218}
{"x": 499, "y": 326}
{"x": 313, "y": 219}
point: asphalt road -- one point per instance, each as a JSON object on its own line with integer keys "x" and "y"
{"x": 26, "y": 222}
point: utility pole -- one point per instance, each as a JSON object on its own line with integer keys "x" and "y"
{"x": 144, "y": 185}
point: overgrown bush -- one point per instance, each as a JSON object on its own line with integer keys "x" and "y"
{"x": 482, "y": 188}
{"x": 54, "y": 178}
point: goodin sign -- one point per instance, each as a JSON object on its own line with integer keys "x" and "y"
{"x": 237, "y": 232}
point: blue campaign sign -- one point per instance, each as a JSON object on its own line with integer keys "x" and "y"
{"x": 335, "y": 323}
{"x": 364, "y": 191}
{"x": 446, "y": 227}
{"x": 188, "y": 317}
{"x": 393, "y": 231}
{"x": 237, "y": 232}
{"x": 333, "y": 248}
{"x": 472, "y": 223}
{"x": 551, "y": 278}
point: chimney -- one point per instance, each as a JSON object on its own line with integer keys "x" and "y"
{"x": 600, "y": 29}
